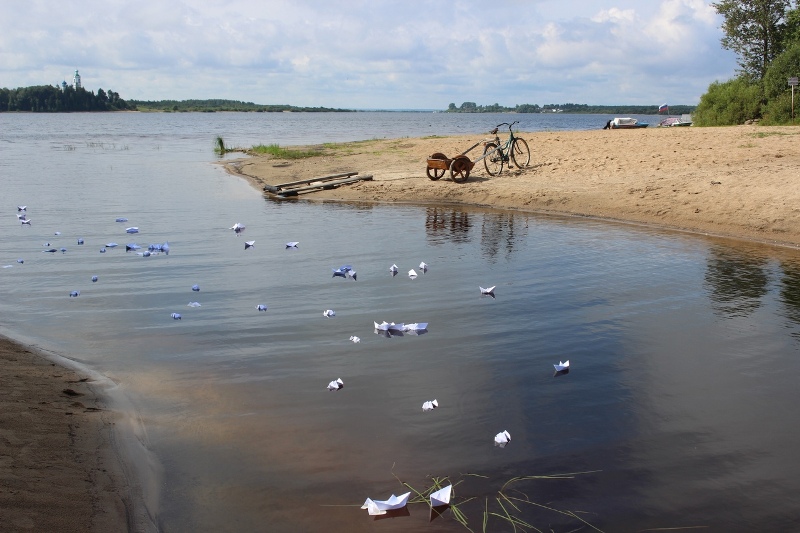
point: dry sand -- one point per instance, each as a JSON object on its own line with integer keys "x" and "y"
{"x": 58, "y": 467}
{"x": 736, "y": 181}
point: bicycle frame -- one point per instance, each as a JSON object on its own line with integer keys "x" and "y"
{"x": 503, "y": 148}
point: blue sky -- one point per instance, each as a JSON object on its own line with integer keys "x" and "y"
{"x": 404, "y": 54}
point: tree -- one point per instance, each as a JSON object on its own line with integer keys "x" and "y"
{"x": 792, "y": 31}
{"x": 754, "y": 30}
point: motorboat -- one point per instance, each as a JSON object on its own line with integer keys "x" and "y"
{"x": 624, "y": 123}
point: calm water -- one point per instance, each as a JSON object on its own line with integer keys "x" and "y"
{"x": 684, "y": 350}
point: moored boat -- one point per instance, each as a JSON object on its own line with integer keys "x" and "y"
{"x": 624, "y": 123}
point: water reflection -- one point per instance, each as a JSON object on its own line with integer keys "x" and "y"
{"x": 500, "y": 234}
{"x": 444, "y": 224}
{"x": 736, "y": 281}
{"x": 790, "y": 291}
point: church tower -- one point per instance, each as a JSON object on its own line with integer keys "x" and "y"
{"x": 76, "y": 80}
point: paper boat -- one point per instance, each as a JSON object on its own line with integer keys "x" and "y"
{"x": 379, "y": 507}
{"x": 441, "y": 496}
{"x": 560, "y": 367}
{"x": 502, "y": 438}
{"x": 387, "y": 326}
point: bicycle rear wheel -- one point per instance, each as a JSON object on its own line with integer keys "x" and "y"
{"x": 520, "y": 153}
{"x": 493, "y": 159}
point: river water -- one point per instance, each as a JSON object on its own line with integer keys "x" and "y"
{"x": 677, "y": 410}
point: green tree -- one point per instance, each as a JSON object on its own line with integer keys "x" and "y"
{"x": 792, "y": 31}
{"x": 754, "y": 30}
{"x": 777, "y": 92}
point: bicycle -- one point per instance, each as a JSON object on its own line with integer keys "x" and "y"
{"x": 497, "y": 153}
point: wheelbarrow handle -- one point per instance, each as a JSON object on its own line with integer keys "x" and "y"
{"x": 471, "y": 147}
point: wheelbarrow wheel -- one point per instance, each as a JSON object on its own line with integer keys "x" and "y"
{"x": 436, "y": 173}
{"x": 459, "y": 169}
{"x": 492, "y": 159}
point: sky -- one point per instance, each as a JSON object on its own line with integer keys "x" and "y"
{"x": 404, "y": 54}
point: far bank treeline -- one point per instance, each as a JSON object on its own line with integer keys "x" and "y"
{"x": 472, "y": 107}
{"x": 49, "y": 99}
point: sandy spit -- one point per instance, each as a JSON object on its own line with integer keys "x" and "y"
{"x": 739, "y": 181}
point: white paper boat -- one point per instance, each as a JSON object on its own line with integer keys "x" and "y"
{"x": 488, "y": 290}
{"x": 386, "y": 326}
{"x": 292, "y": 244}
{"x": 430, "y": 405}
{"x": 502, "y": 438}
{"x": 416, "y": 326}
{"x": 329, "y": 313}
{"x": 560, "y": 367}
{"x": 379, "y": 507}
{"x": 249, "y": 244}
{"x": 423, "y": 267}
{"x": 336, "y": 384}
{"x": 355, "y": 339}
{"x": 412, "y": 274}
{"x": 441, "y": 496}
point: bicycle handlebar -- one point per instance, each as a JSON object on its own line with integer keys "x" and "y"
{"x": 494, "y": 131}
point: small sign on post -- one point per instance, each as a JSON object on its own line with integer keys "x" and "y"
{"x": 792, "y": 84}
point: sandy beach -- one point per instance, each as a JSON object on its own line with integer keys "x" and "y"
{"x": 58, "y": 467}
{"x": 735, "y": 182}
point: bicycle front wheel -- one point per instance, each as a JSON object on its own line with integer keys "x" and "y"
{"x": 520, "y": 153}
{"x": 492, "y": 159}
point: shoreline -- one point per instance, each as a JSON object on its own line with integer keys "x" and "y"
{"x": 733, "y": 182}
{"x": 63, "y": 467}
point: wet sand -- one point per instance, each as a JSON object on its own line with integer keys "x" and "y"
{"x": 58, "y": 466}
{"x": 736, "y": 181}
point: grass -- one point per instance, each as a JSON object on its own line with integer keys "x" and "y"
{"x": 283, "y": 153}
{"x": 505, "y": 506}
{"x": 763, "y": 134}
{"x": 278, "y": 152}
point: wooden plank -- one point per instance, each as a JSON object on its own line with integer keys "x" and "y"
{"x": 325, "y": 185}
{"x": 275, "y": 189}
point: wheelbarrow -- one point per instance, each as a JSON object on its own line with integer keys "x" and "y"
{"x": 460, "y": 166}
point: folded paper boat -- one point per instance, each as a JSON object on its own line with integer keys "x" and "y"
{"x": 430, "y": 405}
{"x": 441, "y": 496}
{"x": 379, "y": 507}
{"x": 502, "y": 438}
{"x": 560, "y": 367}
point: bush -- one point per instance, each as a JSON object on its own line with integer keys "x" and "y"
{"x": 779, "y": 109}
{"x": 729, "y": 103}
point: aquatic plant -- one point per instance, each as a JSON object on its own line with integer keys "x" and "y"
{"x": 219, "y": 145}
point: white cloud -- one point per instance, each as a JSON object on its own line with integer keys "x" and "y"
{"x": 371, "y": 54}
